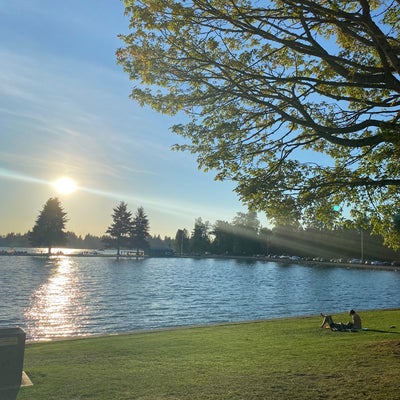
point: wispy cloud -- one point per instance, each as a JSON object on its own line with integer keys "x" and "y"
{"x": 65, "y": 110}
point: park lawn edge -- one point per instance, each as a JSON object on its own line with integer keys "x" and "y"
{"x": 279, "y": 358}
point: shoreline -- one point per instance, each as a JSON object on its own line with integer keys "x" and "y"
{"x": 312, "y": 263}
{"x": 187, "y": 327}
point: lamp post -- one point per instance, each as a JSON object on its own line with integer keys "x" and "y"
{"x": 362, "y": 244}
{"x": 181, "y": 243}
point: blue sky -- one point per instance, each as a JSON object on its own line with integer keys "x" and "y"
{"x": 65, "y": 111}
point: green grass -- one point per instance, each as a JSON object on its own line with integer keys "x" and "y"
{"x": 280, "y": 359}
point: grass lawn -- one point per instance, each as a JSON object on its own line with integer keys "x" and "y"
{"x": 279, "y": 359}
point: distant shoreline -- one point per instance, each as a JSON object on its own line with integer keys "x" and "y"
{"x": 89, "y": 254}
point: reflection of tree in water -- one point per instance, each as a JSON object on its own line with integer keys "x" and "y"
{"x": 55, "y": 304}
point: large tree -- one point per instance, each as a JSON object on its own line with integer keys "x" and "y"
{"x": 181, "y": 242}
{"x": 120, "y": 228}
{"x": 224, "y": 238}
{"x": 139, "y": 231}
{"x": 199, "y": 242}
{"x": 298, "y": 102}
{"x": 247, "y": 228}
{"x": 49, "y": 226}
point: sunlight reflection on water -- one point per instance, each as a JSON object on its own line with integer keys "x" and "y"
{"x": 71, "y": 296}
{"x": 56, "y": 305}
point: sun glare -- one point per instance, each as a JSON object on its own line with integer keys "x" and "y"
{"x": 65, "y": 185}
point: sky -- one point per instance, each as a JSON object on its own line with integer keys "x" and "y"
{"x": 65, "y": 111}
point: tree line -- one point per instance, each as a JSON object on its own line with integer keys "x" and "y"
{"x": 243, "y": 236}
{"x": 125, "y": 231}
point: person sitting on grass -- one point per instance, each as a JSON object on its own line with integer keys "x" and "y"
{"x": 354, "y": 324}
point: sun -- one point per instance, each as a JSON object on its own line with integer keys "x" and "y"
{"x": 65, "y": 185}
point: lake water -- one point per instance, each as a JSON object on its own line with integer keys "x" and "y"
{"x": 70, "y": 296}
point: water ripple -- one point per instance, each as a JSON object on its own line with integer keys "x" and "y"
{"x": 69, "y": 296}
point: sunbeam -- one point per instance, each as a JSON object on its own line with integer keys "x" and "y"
{"x": 165, "y": 206}
{"x": 12, "y": 175}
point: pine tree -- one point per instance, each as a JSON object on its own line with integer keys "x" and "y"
{"x": 181, "y": 242}
{"x": 49, "y": 227}
{"x": 199, "y": 240}
{"x": 119, "y": 230}
{"x": 140, "y": 230}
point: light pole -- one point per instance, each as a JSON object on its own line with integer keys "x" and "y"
{"x": 182, "y": 232}
{"x": 181, "y": 243}
{"x": 362, "y": 244}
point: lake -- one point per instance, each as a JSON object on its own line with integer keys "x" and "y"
{"x": 73, "y": 296}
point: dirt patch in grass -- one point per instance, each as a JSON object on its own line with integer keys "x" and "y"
{"x": 387, "y": 347}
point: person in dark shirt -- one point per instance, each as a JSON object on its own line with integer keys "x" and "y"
{"x": 354, "y": 324}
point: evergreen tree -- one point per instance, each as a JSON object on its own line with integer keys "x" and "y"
{"x": 224, "y": 238}
{"x": 139, "y": 231}
{"x": 246, "y": 231}
{"x": 49, "y": 227}
{"x": 200, "y": 241}
{"x": 120, "y": 228}
{"x": 181, "y": 242}
{"x": 91, "y": 242}
{"x": 15, "y": 240}
{"x": 73, "y": 241}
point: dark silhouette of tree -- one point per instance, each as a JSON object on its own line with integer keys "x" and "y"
{"x": 92, "y": 242}
{"x": 265, "y": 237}
{"x": 15, "y": 240}
{"x": 298, "y": 102}
{"x": 246, "y": 228}
{"x": 224, "y": 238}
{"x": 120, "y": 228}
{"x": 139, "y": 231}
{"x": 87, "y": 242}
{"x": 199, "y": 240}
{"x": 49, "y": 227}
{"x": 181, "y": 242}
